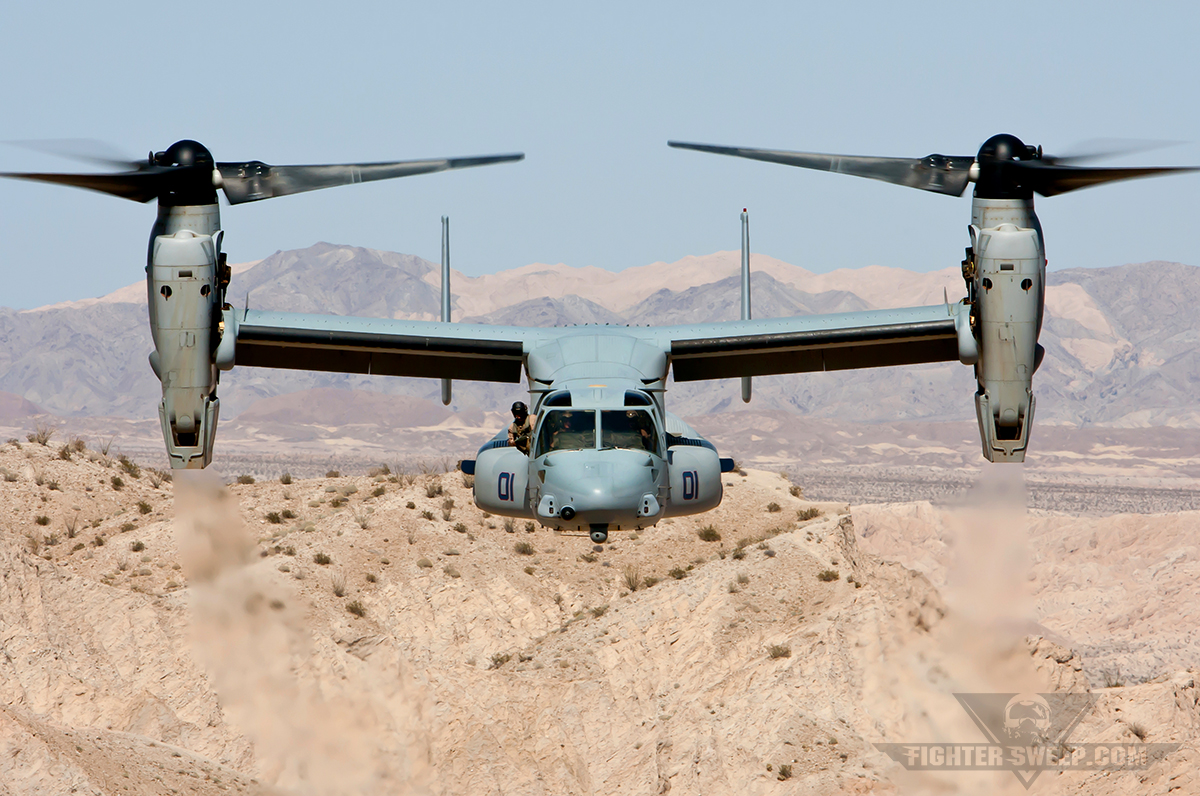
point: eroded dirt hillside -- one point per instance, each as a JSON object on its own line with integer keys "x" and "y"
{"x": 379, "y": 634}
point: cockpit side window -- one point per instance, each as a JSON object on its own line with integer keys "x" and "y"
{"x": 628, "y": 428}
{"x": 566, "y": 430}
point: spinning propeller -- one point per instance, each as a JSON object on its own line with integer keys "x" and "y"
{"x": 187, "y": 275}
{"x": 1004, "y": 168}
{"x": 185, "y": 174}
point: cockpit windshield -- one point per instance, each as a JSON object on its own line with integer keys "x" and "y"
{"x": 628, "y": 428}
{"x": 566, "y": 430}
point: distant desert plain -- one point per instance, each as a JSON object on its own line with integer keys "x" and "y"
{"x": 325, "y": 611}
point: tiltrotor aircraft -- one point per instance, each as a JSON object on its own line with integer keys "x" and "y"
{"x": 605, "y": 455}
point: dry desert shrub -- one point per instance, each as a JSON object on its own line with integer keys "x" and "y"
{"x": 795, "y": 491}
{"x": 337, "y": 582}
{"x": 41, "y": 434}
{"x": 810, "y": 513}
{"x": 245, "y": 479}
{"x": 130, "y": 467}
{"x": 144, "y": 507}
{"x": 379, "y": 491}
{"x": 774, "y": 508}
{"x": 828, "y": 575}
{"x": 427, "y": 515}
{"x": 510, "y": 525}
{"x": 285, "y": 479}
{"x": 356, "y": 608}
{"x": 333, "y": 474}
{"x": 524, "y": 548}
{"x": 779, "y": 651}
{"x": 632, "y": 577}
{"x": 64, "y": 453}
{"x": 321, "y": 558}
{"x": 274, "y": 518}
{"x": 709, "y": 534}
{"x": 434, "y": 488}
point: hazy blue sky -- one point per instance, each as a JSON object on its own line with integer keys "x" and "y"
{"x": 591, "y": 94}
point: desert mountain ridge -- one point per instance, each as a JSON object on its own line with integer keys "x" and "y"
{"x": 1120, "y": 349}
{"x": 376, "y": 632}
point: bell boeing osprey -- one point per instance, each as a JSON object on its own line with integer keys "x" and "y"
{"x": 604, "y": 454}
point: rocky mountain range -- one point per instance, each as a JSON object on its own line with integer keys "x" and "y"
{"x": 378, "y": 633}
{"x": 1120, "y": 341}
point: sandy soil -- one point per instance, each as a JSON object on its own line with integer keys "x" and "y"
{"x": 343, "y": 635}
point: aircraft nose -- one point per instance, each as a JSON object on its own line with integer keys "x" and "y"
{"x": 599, "y": 492}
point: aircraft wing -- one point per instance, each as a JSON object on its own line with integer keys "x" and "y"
{"x": 842, "y": 341}
{"x": 427, "y": 349}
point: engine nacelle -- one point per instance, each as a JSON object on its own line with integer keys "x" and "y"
{"x": 502, "y": 478}
{"x": 182, "y": 281}
{"x": 695, "y": 474}
{"x": 1009, "y": 283}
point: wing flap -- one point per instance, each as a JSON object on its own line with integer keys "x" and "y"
{"x": 870, "y": 340}
{"x": 384, "y": 347}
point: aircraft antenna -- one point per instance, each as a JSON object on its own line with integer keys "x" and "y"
{"x": 446, "y": 392}
{"x": 746, "y": 388}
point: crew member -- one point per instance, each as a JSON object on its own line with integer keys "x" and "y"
{"x": 521, "y": 430}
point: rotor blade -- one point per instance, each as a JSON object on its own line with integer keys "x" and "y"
{"x": 255, "y": 180}
{"x": 139, "y": 186}
{"x": 1050, "y": 180}
{"x": 86, "y": 149}
{"x": 1100, "y": 148}
{"x": 937, "y": 173}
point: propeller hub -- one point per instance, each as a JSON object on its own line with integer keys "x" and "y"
{"x": 185, "y": 153}
{"x": 998, "y": 178}
{"x": 1006, "y": 147}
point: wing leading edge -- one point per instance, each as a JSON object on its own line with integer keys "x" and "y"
{"x": 843, "y": 341}
{"x": 382, "y": 346}
{"x": 477, "y": 352}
